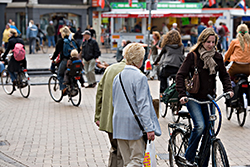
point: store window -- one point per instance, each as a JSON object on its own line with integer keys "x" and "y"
{"x": 127, "y": 25}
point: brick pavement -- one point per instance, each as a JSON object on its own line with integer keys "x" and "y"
{"x": 41, "y": 132}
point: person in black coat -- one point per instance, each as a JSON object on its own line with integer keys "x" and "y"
{"x": 66, "y": 33}
{"x": 78, "y": 36}
{"x": 13, "y": 65}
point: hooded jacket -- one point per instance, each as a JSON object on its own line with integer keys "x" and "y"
{"x": 171, "y": 55}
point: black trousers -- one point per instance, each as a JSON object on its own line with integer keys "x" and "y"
{"x": 164, "y": 74}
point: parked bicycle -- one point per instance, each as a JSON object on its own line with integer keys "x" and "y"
{"x": 73, "y": 91}
{"x": 240, "y": 100}
{"x": 170, "y": 98}
{"x": 22, "y": 82}
{"x": 180, "y": 132}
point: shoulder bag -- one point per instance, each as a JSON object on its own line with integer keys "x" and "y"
{"x": 145, "y": 138}
{"x": 193, "y": 84}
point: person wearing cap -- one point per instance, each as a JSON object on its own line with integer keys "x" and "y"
{"x": 51, "y": 33}
{"x": 66, "y": 34}
{"x": 32, "y": 31}
{"x": 90, "y": 51}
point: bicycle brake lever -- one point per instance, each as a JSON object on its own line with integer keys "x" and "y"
{"x": 227, "y": 95}
{"x": 210, "y": 97}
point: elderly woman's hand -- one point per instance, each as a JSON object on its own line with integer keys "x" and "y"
{"x": 151, "y": 135}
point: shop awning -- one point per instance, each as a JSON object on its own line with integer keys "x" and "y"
{"x": 157, "y": 14}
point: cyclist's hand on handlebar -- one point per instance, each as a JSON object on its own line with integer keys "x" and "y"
{"x": 184, "y": 100}
{"x": 151, "y": 135}
{"x": 231, "y": 93}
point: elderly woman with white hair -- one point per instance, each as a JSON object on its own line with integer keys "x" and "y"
{"x": 239, "y": 51}
{"x": 66, "y": 34}
{"x": 126, "y": 129}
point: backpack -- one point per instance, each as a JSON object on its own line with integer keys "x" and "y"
{"x": 19, "y": 52}
{"x": 170, "y": 94}
{"x": 68, "y": 45}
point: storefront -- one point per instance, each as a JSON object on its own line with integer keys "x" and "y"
{"x": 130, "y": 23}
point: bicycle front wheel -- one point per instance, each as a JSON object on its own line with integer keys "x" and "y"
{"x": 44, "y": 47}
{"x": 6, "y": 82}
{"x": 54, "y": 89}
{"x": 75, "y": 96}
{"x": 177, "y": 147}
{"x": 175, "y": 108}
{"x": 24, "y": 86}
{"x": 219, "y": 155}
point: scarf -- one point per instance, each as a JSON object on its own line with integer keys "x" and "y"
{"x": 207, "y": 57}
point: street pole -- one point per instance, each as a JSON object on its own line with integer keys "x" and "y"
{"x": 149, "y": 24}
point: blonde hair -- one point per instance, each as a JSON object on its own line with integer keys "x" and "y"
{"x": 13, "y": 32}
{"x": 74, "y": 53}
{"x": 172, "y": 37}
{"x": 243, "y": 35}
{"x": 65, "y": 31}
{"x": 157, "y": 34}
{"x": 133, "y": 54}
{"x": 205, "y": 34}
{"x": 210, "y": 22}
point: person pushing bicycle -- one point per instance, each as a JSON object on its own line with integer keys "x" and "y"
{"x": 209, "y": 62}
{"x": 14, "y": 65}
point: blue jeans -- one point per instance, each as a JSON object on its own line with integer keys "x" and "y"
{"x": 13, "y": 76}
{"x": 193, "y": 40}
{"x": 224, "y": 43}
{"x": 60, "y": 73}
{"x": 1, "y": 67}
{"x": 51, "y": 39}
{"x": 32, "y": 44}
{"x": 200, "y": 116}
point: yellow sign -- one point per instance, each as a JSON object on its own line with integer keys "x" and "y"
{"x": 116, "y": 36}
{"x": 194, "y": 20}
{"x": 213, "y": 19}
{"x": 139, "y": 36}
{"x": 171, "y": 20}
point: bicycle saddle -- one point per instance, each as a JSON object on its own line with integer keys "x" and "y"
{"x": 184, "y": 114}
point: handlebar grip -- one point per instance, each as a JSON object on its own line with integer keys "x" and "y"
{"x": 210, "y": 97}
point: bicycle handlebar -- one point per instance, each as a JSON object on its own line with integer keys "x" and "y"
{"x": 226, "y": 95}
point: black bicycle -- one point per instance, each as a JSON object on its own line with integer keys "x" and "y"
{"x": 22, "y": 82}
{"x": 180, "y": 132}
{"x": 73, "y": 89}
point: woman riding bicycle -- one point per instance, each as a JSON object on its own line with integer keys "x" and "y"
{"x": 209, "y": 62}
{"x": 238, "y": 52}
{"x": 13, "y": 65}
{"x": 66, "y": 34}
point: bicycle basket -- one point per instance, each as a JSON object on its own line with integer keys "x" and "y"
{"x": 170, "y": 94}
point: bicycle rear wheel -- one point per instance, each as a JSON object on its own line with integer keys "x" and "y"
{"x": 24, "y": 85}
{"x": 44, "y": 47}
{"x": 6, "y": 82}
{"x": 54, "y": 89}
{"x": 177, "y": 148}
{"x": 164, "y": 111}
{"x": 75, "y": 96}
{"x": 241, "y": 112}
{"x": 229, "y": 112}
{"x": 219, "y": 155}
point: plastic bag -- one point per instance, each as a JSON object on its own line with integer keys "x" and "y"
{"x": 149, "y": 157}
{"x": 148, "y": 66}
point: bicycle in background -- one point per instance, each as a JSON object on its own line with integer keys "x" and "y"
{"x": 180, "y": 132}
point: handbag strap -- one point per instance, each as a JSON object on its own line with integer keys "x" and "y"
{"x": 195, "y": 60}
{"x": 136, "y": 118}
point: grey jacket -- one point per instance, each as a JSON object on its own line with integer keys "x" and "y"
{"x": 136, "y": 86}
{"x": 171, "y": 55}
